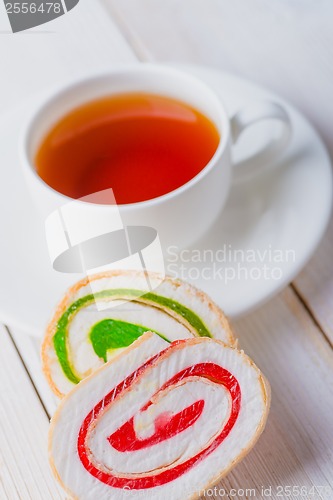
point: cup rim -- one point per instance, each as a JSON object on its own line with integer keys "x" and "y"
{"x": 62, "y": 89}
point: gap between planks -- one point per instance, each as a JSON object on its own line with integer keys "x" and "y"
{"x": 310, "y": 313}
{"x": 28, "y": 372}
{"x": 132, "y": 40}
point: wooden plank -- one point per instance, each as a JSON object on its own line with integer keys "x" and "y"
{"x": 284, "y": 45}
{"x": 29, "y": 349}
{"x": 296, "y": 448}
{"x": 82, "y": 42}
{"x": 24, "y": 469}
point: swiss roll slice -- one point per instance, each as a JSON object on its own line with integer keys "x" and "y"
{"x": 88, "y": 328}
{"x": 159, "y": 421}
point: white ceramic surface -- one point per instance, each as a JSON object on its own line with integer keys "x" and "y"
{"x": 282, "y": 213}
{"x": 174, "y": 214}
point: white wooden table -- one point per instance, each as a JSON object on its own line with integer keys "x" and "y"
{"x": 284, "y": 44}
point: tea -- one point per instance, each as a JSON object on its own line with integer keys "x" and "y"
{"x": 140, "y": 145}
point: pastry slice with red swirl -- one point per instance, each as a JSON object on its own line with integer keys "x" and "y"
{"x": 159, "y": 421}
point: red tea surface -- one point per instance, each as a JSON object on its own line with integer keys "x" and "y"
{"x": 140, "y": 145}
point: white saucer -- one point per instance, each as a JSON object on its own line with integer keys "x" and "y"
{"x": 281, "y": 214}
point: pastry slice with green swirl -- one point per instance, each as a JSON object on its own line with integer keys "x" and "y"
{"x": 88, "y": 328}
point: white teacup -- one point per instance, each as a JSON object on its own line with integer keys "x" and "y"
{"x": 182, "y": 215}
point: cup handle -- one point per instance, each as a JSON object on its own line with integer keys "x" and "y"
{"x": 254, "y": 113}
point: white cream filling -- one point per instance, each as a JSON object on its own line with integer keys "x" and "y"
{"x": 178, "y": 448}
{"x": 82, "y": 354}
{"x": 75, "y": 408}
